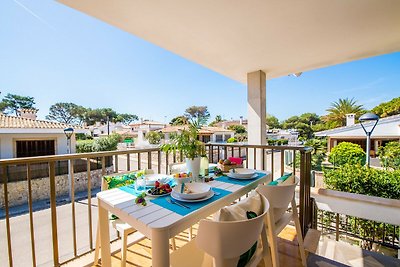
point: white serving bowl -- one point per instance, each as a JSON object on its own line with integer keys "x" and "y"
{"x": 241, "y": 173}
{"x": 198, "y": 190}
{"x": 152, "y": 178}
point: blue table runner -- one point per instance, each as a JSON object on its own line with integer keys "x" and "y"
{"x": 162, "y": 201}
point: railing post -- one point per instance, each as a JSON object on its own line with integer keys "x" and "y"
{"x": 89, "y": 193}
{"x": 53, "y": 207}
{"x": 8, "y": 230}
{"x": 305, "y": 199}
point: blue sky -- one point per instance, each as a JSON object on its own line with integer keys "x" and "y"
{"x": 57, "y": 54}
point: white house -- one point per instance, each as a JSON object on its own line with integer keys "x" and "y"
{"x": 206, "y": 133}
{"x": 387, "y": 129}
{"x": 100, "y": 129}
{"x": 25, "y": 136}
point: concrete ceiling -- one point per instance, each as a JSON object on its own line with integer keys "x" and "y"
{"x": 279, "y": 37}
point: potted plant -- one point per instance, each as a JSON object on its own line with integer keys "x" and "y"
{"x": 187, "y": 142}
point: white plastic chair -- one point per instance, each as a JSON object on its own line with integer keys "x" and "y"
{"x": 124, "y": 230}
{"x": 220, "y": 243}
{"x": 280, "y": 197}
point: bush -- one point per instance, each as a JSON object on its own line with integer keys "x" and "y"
{"x": 367, "y": 181}
{"x": 231, "y": 140}
{"x": 346, "y": 152}
{"x": 241, "y": 137}
{"x": 108, "y": 143}
{"x": 84, "y": 146}
{"x": 277, "y": 142}
{"x": 363, "y": 180}
{"x": 389, "y": 155}
{"x": 154, "y": 138}
{"x": 239, "y": 129}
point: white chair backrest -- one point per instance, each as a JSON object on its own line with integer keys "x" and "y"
{"x": 279, "y": 196}
{"x": 227, "y": 240}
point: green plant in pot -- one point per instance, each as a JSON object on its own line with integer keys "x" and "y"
{"x": 187, "y": 142}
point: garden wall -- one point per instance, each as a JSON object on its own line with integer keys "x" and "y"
{"x": 18, "y": 191}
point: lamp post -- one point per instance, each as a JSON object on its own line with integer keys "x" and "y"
{"x": 368, "y": 119}
{"x": 68, "y": 133}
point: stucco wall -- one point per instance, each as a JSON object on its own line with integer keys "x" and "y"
{"x": 18, "y": 191}
{"x": 7, "y": 142}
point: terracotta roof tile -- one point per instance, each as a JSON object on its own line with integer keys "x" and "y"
{"x": 19, "y": 122}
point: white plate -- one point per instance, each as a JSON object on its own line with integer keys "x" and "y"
{"x": 150, "y": 195}
{"x": 242, "y": 173}
{"x": 152, "y": 178}
{"x": 242, "y": 178}
{"x": 199, "y": 190}
{"x": 208, "y": 196}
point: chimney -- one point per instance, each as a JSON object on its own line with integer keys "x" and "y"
{"x": 241, "y": 120}
{"x": 28, "y": 113}
{"x": 350, "y": 119}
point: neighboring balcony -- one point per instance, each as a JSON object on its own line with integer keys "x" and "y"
{"x": 55, "y": 226}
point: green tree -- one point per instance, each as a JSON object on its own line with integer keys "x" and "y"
{"x": 64, "y": 112}
{"x": 347, "y": 153}
{"x": 126, "y": 118}
{"x": 339, "y": 109}
{"x": 12, "y": 103}
{"x": 388, "y": 108}
{"x": 198, "y": 114}
{"x": 239, "y": 129}
{"x": 303, "y": 124}
{"x": 389, "y": 155}
{"x": 272, "y": 122}
{"x": 217, "y": 119}
{"x": 180, "y": 120}
{"x": 153, "y": 137}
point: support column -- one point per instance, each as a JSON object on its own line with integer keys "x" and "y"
{"x": 256, "y": 115}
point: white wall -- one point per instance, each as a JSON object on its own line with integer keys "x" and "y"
{"x": 7, "y": 142}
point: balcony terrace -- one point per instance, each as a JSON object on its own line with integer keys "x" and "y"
{"x": 64, "y": 233}
{"x": 247, "y": 41}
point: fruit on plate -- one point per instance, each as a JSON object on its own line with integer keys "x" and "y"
{"x": 160, "y": 189}
{"x": 226, "y": 162}
{"x": 182, "y": 175}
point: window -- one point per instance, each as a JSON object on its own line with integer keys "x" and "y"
{"x": 33, "y": 148}
{"x": 218, "y": 138}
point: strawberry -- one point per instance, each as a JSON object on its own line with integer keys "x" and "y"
{"x": 157, "y": 184}
{"x": 167, "y": 186}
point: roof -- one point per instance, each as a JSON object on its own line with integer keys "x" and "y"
{"x": 12, "y": 122}
{"x": 203, "y": 130}
{"x": 277, "y": 37}
{"x": 229, "y": 123}
{"x": 386, "y": 127}
{"x": 147, "y": 123}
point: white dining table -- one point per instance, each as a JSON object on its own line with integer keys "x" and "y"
{"x": 157, "y": 223}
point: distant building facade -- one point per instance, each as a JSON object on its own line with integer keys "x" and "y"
{"x": 387, "y": 130}
{"x": 25, "y": 136}
{"x": 206, "y": 133}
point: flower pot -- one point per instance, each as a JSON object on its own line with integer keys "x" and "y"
{"x": 193, "y": 166}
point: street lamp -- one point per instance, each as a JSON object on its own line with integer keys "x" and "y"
{"x": 68, "y": 133}
{"x": 368, "y": 119}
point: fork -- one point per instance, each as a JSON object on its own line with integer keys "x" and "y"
{"x": 177, "y": 203}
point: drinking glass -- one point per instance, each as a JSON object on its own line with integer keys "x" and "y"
{"x": 140, "y": 184}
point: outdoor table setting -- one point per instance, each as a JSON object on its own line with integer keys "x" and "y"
{"x": 161, "y": 206}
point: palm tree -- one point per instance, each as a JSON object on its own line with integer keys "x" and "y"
{"x": 339, "y": 109}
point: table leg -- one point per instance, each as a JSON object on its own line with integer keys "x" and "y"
{"x": 160, "y": 248}
{"x": 104, "y": 236}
